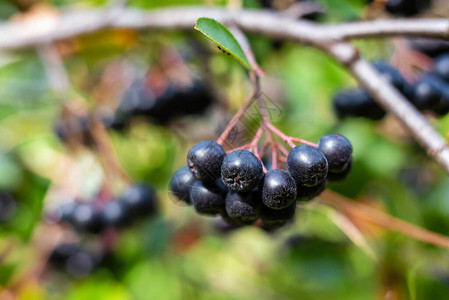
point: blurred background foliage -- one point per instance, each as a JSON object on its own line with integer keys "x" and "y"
{"x": 178, "y": 254}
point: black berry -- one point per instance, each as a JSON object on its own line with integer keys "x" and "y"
{"x": 204, "y": 160}
{"x": 339, "y": 176}
{"x": 427, "y": 92}
{"x": 357, "y": 103}
{"x": 115, "y": 214}
{"x": 87, "y": 218}
{"x": 305, "y": 193}
{"x": 208, "y": 198}
{"x": 241, "y": 171}
{"x": 275, "y": 218}
{"x": 337, "y": 149}
{"x": 307, "y": 165}
{"x": 243, "y": 207}
{"x": 140, "y": 199}
{"x": 278, "y": 189}
{"x": 180, "y": 184}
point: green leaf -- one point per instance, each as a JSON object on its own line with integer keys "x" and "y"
{"x": 224, "y": 39}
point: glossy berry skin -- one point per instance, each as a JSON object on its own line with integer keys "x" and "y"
{"x": 307, "y": 165}
{"x": 208, "y": 198}
{"x": 87, "y": 218}
{"x": 339, "y": 176}
{"x": 305, "y": 193}
{"x": 180, "y": 184}
{"x": 442, "y": 67}
{"x": 357, "y": 103}
{"x": 427, "y": 92}
{"x": 337, "y": 149}
{"x": 243, "y": 207}
{"x": 80, "y": 264}
{"x": 61, "y": 253}
{"x": 276, "y": 218}
{"x": 390, "y": 74}
{"x": 278, "y": 189}
{"x": 241, "y": 171}
{"x": 204, "y": 160}
{"x": 140, "y": 200}
{"x": 115, "y": 214}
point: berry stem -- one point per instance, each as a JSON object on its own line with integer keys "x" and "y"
{"x": 237, "y": 117}
{"x": 280, "y": 134}
{"x": 305, "y": 142}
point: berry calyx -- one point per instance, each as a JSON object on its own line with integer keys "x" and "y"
{"x": 241, "y": 171}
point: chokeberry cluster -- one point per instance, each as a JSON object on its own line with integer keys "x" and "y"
{"x": 430, "y": 93}
{"x": 235, "y": 186}
{"x": 161, "y": 108}
{"x": 136, "y": 202}
{"x": 405, "y": 7}
{"x": 74, "y": 260}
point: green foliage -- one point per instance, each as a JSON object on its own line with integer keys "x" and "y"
{"x": 223, "y": 38}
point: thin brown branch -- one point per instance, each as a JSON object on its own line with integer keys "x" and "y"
{"x": 381, "y": 219}
{"x": 328, "y": 38}
{"x": 275, "y": 25}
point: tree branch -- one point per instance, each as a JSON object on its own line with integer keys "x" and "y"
{"x": 275, "y": 25}
{"x": 328, "y": 38}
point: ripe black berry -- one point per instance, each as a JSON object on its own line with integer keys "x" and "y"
{"x": 275, "y": 218}
{"x": 406, "y": 7}
{"x": 337, "y": 149}
{"x": 307, "y": 165}
{"x": 305, "y": 193}
{"x": 140, "y": 200}
{"x": 442, "y": 66}
{"x": 180, "y": 184}
{"x": 357, "y": 103}
{"x": 80, "y": 264}
{"x": 204, "y": 160}
{"x": 61, "y": 253}
{"x": 243, "y": 207}
{"x": 339, "y": 176}
{"x": 391, "y": 75}
{"x": 87, "y": 218}
{"x": 208, "y": 198}
{"x": 241, "y": 171}
{"x": 278, "y": 189}
{"x": 427, "y": 92}
{"x": 115, "y": 214}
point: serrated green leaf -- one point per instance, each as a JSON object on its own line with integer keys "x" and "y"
{"x": 224, "y": 39}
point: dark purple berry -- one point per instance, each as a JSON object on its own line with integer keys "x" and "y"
{"x": 305, "y": 193}
{"x": 442, "y": 66}
{"x": 140, "y": 199}
{"x": 208, "y": 198}
{"x": 357, "y": 103}
{"x": 391, "y": 75}
{"x": 87, "y": 218}
{"x": 204, "y": 160}
{"x": 339, "y": 176}
{"x": 278, "y": 189}
{"x": 276, "y": 218}
{"x": 307, "y": 165}
{"x": 80, "y": 264}
{"x": 180, "y": 184}
{"x": 115, "y": 214}
{"x": 241, "y": 171}
{"x": 61, "y": 253}
{"x": 337, "y": 149}
{"x": 427, "y": 92}
{"x": 243, "y": 207}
